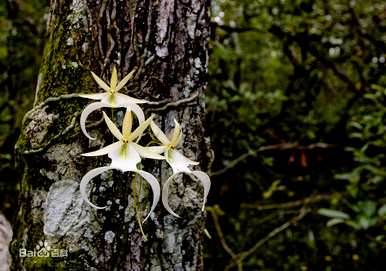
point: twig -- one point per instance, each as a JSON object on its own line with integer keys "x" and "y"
{"x": 242, "y": 255}
{"x": 233, "y": 163}
{"x": 279, "y": 147}
{"x": 291, "y": 204}
{"x": 214, "y": 212}
{"x": 273, "y": 233}
{"x": 236, "y": 29}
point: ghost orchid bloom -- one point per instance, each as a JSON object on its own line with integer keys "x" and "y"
{"x": 125, "y": 154}
{"x": 175, "y": 159}
{"x": 111, "y": 98}
{"x": 178, "y": 162}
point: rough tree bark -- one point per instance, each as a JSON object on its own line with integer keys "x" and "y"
{"x": 167, "y": 41}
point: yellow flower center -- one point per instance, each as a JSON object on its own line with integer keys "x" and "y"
{"x": 123, "y": 150}
{"x": 111, "y": 97}
{"x": 171, "y": 146}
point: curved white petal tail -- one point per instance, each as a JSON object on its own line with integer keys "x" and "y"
{"x": 205, "y": 181}
{"x": 86, "y": 179}
{"x": 152, "y": 181}
{"x": 200, "y": 175}
{"x": 165, "y": 195}
{"x": 87, "y": 111}
{"x": 155, "y": 187}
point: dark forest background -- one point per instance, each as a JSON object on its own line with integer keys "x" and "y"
{"x": 296, "y": 113}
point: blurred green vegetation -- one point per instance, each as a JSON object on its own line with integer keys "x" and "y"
{"x": 296, "y": 112}
{"x": 21, "y": 40}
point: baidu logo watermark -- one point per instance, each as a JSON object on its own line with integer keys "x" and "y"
{"x": 43, "y": 250}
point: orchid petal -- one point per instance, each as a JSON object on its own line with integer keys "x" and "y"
{"x": 155, "y": 187}
{"x": 110, "y": 99}
{"x": 141, "y": 128}
{"x": 123, "y": 82}
{"x": 165, "y": 195}
{"x": 87, "y": 111}
{"x": 179, "y": 139}
{"x": 200, "y": 175}
{"x": 205, "y": 181}
{"x": 100, "y": 82}
{"x": 159, "y": 134}
{"x": 96, "y": 96}
{"x": 124, "y": 99}
{"x": 179, "y": 162}
{"x": 127, "y": 124}
{"x": 103, "y": 151}
{"x": 146, "y": 152}
{"x": 157, "y": 149}
{"x": 86, "y": 179}
{"x": 124, "y": 157}
{"x": 113, "y": 129}
{"x": 114, "y": 78}
{"x": 137, "y": 111}
{"x": 176, "y": 134}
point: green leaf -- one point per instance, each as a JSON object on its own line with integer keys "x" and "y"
{"x": 382, "y": 210}
{"x": 333, "y": 213}
{"x": 368, "y": 208}
{"x": 334, "y": 221}
{"x": 366, "y": 222}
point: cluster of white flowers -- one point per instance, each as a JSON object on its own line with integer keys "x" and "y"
{"x": 126, "y": 153}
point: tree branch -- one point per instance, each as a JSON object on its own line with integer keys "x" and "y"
{"x": 235, "y": 29}
{"x": 214, "y": 211}
{"x": 291, "y": 204}
{"x": 277, "y": 147}
{"x": 242, "y": 255}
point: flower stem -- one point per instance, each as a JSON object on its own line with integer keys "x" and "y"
{"x": 136, "y": 205}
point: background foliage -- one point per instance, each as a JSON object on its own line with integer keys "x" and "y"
{"x": 296, "y": 114}
{"x": 21, "y": 43}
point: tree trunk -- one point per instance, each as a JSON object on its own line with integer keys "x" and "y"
{"x": 167, "y": 41}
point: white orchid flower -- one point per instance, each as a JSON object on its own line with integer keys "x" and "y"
{"x": 111, "y": 98}
{"x": 125, "y": 154}
{"x": 178, "y": 162}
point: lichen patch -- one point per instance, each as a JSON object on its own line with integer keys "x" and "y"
{"x": 37, "y": 128}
